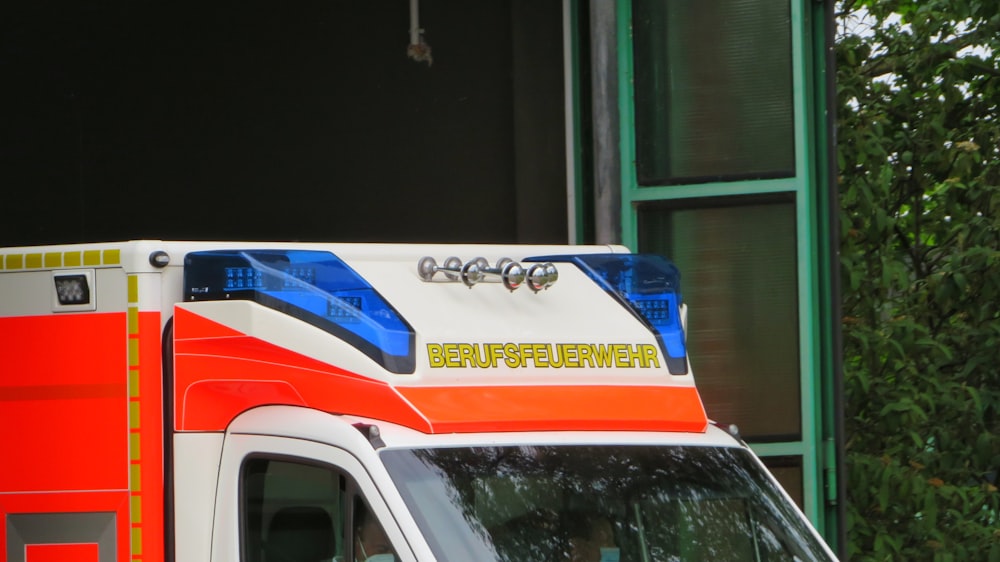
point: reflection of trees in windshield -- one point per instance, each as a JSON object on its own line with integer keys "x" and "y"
{"x": 570, "y": 502}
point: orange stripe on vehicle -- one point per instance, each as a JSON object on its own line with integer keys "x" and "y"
{"x": 69, "y": 398}
{"x": 188, "y": 325}
{"x": 63, "y": 349}
{"x": 78, "y": 552}
{"x": 147, "y": 482}
{"x": 254, "y": 349}
{"x": 145, "y": 423}
{"x": 237, "y": 383}
{"x": 220, "y": 373}
{"x": 60, "y": 392}
{"x": 64, "y": 393}
{"x": 218, "y": 376}
{"x": 545, "y": 408}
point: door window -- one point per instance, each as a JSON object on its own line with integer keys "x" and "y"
{"x": 294, "y": 511}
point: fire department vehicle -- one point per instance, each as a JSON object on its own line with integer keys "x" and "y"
{"x": 263, "y": 402}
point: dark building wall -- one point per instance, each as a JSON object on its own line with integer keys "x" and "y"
{"x": 286, "y": 121}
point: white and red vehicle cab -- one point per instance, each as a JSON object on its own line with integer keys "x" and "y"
{"x": 263, "y": 402}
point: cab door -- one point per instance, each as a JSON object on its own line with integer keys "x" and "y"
{"x": 283, "y": 499}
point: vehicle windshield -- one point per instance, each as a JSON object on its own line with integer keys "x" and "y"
{"x": 598, "y": 503}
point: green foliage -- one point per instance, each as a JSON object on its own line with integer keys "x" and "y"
{"x": 918, "y": 137}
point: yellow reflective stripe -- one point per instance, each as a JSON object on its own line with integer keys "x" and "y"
{"x": 133, "y": 352}
{"x": 52, "y": 260}
{"x": 135, "y": 480}
{"x": 133, "y": 292}
{"x": 136, "y": 509}
{"x": 136, "y": 541}
{"x": 133, "y": 320}
{"x": 133, "y": 447}
{"x": 133, "y": 415}
{"x": 73, "y": 259}
{"x": 135, "y": 419}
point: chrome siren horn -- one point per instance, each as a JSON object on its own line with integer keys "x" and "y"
{"x": 451, "y": 268}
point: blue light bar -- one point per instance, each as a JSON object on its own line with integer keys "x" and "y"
{"x": 648, "y": 285}
{"x": 313, "y": 286}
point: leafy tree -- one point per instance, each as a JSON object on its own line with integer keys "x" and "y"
{"x": 919, "y": 151}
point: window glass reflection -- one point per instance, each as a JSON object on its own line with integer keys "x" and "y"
{"x": 713, "y": 90}
{"x": 739, "y": 278}
{"x": 598, "y": 503}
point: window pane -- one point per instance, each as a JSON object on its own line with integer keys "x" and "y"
{"x": 370, "y": 540}
{"x": 572, "y": 502}
{"x": 788, "y": 472}
{"x": 713, "y": 90}
{"x": 291, "y": 510}
{"x": 739, "y": 280}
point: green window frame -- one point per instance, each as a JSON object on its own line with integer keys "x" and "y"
{"x": 804, "y": 459}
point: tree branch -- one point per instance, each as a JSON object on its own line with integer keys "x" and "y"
{"x": 891, "y": 63}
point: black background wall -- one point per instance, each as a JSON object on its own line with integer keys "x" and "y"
{"x": 288, "y": 121}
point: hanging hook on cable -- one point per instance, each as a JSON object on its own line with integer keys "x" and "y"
{"x": 418, "y": 50}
